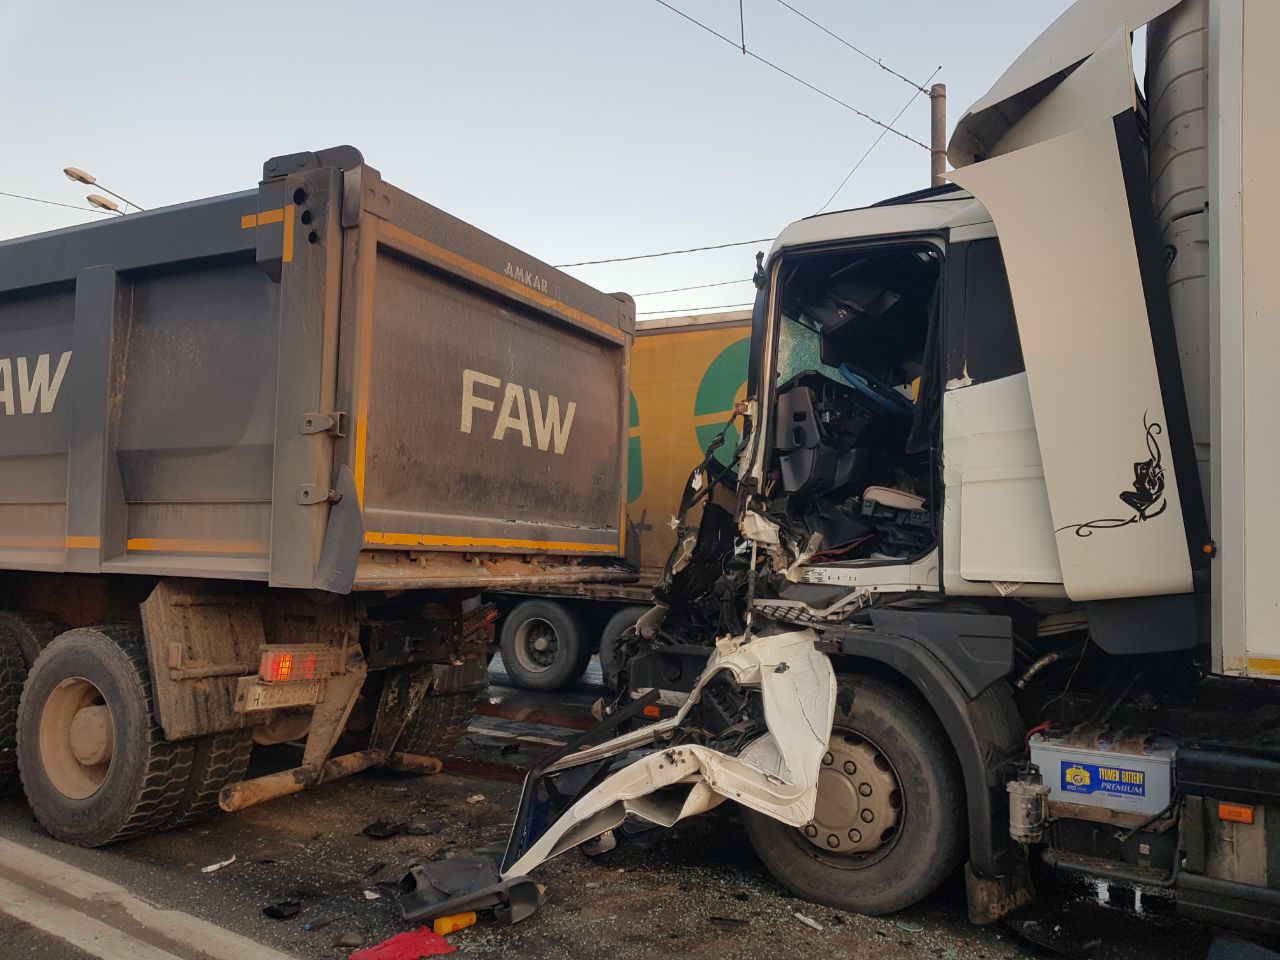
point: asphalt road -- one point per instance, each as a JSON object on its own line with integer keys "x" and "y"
{"x": 696, "y": 891}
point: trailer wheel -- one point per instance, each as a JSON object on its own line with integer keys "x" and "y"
{"x": 544, "y": 645}
{"x": 12, "y": 671}
{"x": 95, "y": 765}
{"x": 438, "y": 723}
{"x": 611, "y": 659}
{"x": 31, "y": 632}
{"x": 887, "y": 829}
{"x": 219, "y": 760}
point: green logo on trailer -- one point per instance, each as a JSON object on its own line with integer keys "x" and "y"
{"x": 635, "y": 468}
{"x": 717, "y": 393}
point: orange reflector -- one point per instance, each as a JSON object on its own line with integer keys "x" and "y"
{"x": 1235, "y": 812}
{"x": 651, "y": 711}
{"x": 458, "y": 921}
{"x": 276, "y": 667}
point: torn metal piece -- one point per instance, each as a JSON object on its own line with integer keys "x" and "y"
{"x": 772, "y": 768}
{"x": 450, "y": 887}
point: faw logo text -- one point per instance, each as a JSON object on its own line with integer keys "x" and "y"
{"x": 537, "y": 420}
{"x": 31, "y": 384}
{"x": 527, "y": 277}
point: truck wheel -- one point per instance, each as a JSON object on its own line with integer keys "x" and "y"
{"x": 438, "y": 723}
{"x": 95, "y": 765}
{"x": 544, "y": 646}
{"x": 31, "y": 632}
{"x": 887, "y": 829}
{"x": 218, "y": 760}
{"x": 12, "y": 671}
{"x": 611, "y": 660}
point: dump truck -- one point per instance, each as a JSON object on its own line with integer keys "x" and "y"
{"x": 994, "y": 582}
{"x": 260, "y": 455}
{"x": 687, "y": 374}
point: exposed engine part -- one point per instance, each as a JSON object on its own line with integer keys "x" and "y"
{"x": 794, "y": 611}
{"x": 1048, "y": 660}
{"x": 1111, "y": 776}
{"x": 1027, "y": 808}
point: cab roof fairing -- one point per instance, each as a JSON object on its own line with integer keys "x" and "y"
{"x": 959, "y": 209}
{"x": 1071, "y": 39}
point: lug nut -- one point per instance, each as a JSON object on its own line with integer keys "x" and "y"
{"x": 850, "y": 767}
{"x": 867, "y": 816}
{"x": 864, "y": 789}
{"x": 855, "y": 835}
{"x": 811, "y": 831}
{"x": 828, "y": 760}
{"x": 833, "y": 841}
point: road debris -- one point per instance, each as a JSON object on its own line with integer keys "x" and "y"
{"x": 419, "y": 825}
{"x": 282, "y": 910}
{"x": 348, "y": 939}
{"x": 808, "y": 922}
{"x": 372, "y": 895}
{"x": 453, "y": 922}
{"x": 411, "y": 945}
{"x": 215, "y": 867}
{"x": 476, "y": 798}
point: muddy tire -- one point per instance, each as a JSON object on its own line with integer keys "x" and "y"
{"x": 438, "y": 723}
{"x": 32, "y": 632}
{"x": 611, "y": 658}
{"x": 13, "y": 670}
{"x": 94, "y": 763}
{"x": 889, "y": 823}
{"x": 544, "y": 645}
{"x": 218, "y": 760}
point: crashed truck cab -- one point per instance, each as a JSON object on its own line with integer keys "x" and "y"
{"x": 963, "y": 546}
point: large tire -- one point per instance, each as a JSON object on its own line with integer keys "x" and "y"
{"x": 13, "y": 669}
{"x": 544, "y": 646}
{"x": 32, "y": 632}
{"x": 611, "y": 660}
{"x": 133, "y": 779}
{"x": 219, "y": 760}
{"x": 906, "y": 844}
{"x": 438, "y": 723}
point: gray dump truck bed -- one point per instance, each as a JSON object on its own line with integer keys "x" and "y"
{"x": 321, "y": 383}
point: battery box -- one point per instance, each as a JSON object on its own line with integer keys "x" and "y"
{"x": 1118, "y": 771}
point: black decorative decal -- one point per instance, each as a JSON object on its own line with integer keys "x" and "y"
{"x": 1146, "y": 499}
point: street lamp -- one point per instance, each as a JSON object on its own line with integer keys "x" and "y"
{"x": 103, "y": 203}
{"x": 80, "y": 176}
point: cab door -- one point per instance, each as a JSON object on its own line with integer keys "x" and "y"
{"x": 1070, "y": 199}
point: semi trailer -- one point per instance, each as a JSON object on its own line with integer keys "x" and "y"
{"x": 687, "y": 374}
{"x": 994, "y": 580}
{"x": 260, "y": 455}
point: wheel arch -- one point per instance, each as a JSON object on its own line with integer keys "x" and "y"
{"x": 984, "y": 730}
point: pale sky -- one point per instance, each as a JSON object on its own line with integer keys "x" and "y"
{"x": 575, "y": 129}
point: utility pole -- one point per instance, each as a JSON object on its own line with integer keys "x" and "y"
{"x": 938, "y": 135}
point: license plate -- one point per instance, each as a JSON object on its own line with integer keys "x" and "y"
{"x": 252, "y": 694}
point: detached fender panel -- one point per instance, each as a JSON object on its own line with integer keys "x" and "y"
{"x": 985, "y": 729}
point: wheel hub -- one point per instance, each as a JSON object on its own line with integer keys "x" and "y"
{"x": 537, "y": 645}
{"x": 92, "y": 735}
{"x": 77, "y": 738}
{"x": 859, "y": 801}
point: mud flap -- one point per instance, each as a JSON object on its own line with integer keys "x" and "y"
{"x": 667, "y": 771}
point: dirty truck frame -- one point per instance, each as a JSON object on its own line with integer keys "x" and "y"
{"x": 260, "y": 454}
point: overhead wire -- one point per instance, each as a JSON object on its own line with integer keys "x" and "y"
{"x": 54, "y": 203}
{"x": 769, "y": 63}
{"x": 664, "y": 253}
{"x": 717, "y": 306}
{"x": 697, "y": 286}
{"x": 923, "y": 88}
{"x": 875, "y": 143}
